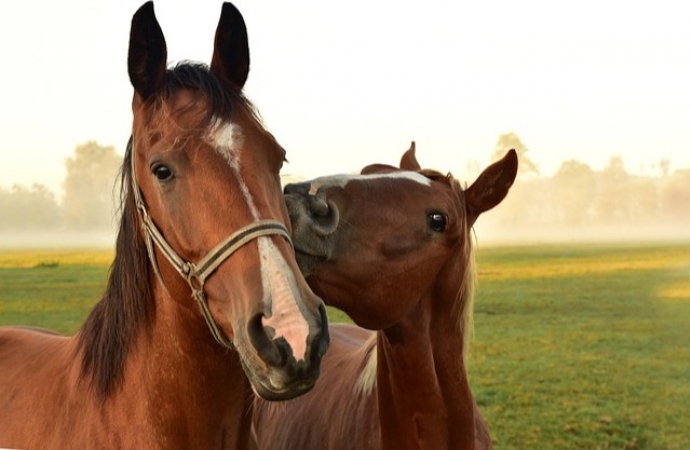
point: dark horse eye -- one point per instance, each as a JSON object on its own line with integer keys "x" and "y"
{"x": 163, "y": 173}
{"x": 437, "y": 222}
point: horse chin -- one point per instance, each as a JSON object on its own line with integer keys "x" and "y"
{"x": 275, "y": 383}
{"x": 273, "y": 394}
{"x": 269, "y": 384}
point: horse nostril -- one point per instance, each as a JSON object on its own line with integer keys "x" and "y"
{"x": 325, "y": 216}
{"x": 323, "y": 339}
{"x": 319, "y": 207}
{"x": 262, "y": 342}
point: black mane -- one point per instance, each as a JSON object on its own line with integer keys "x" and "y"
{"x": 126, "y": 305}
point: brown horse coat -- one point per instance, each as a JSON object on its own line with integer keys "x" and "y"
{"x": 393, "y": 250}
{"x": 144, "y": 371}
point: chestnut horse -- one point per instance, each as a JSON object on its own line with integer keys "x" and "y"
{"x": 204, "y": 301}
{"x": 393, "y": 249}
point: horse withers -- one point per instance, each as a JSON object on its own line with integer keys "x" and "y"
{"x": 392, "y": 248}
{"x": 204, "y": 301}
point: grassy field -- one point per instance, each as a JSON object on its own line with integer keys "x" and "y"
{"x": 576, "y": 347}
{"x": 584, "y": 347}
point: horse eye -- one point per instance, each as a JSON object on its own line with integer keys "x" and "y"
{"x": 437, "y": 222}
{"x": 163, "y": 173}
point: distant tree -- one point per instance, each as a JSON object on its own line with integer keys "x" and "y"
{"x": 472, "y": 170}
{"x": 643, "y": 199}
{"x": 91, "y": 174}
{"x": 4, "y": 208}
{"x": 32, "y": 208}
{"x": 574, "y": 187}
{"x": 612, "y": 198}
{"x": 529, "y": 202}
{"x": 664, "y": 167}
{"x": 512, "y": 141}
{"x": 675, "y": 196}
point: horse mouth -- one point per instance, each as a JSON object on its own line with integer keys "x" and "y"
{"x": 284, "y": 381}
{"x": 269, "y": 391}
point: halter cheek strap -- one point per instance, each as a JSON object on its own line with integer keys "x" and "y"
{"x": 196, "y": 273}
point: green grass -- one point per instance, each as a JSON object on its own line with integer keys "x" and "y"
{"x": 576, "y": 347}
{"x": 584, "y": 347}
{"x": 51, "y": 289}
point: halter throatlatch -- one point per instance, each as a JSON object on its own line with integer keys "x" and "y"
{"x": 196, "y": 273}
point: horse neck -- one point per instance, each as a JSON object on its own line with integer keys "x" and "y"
{"x": 193, "y": 386}
{"x": 424, "y": 396}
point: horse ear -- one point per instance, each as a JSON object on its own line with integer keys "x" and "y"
{"x": 492, "y": 186}
{"x": 147, "y": 52}
{"x": 230, "y": 60}
{"x": 409, "y": 160}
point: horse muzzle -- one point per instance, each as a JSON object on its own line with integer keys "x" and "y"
{"x": 279, "y": 374}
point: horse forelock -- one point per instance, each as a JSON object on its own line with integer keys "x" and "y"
{"x": 126, "y": 307}
{"x": 220, "y": 97}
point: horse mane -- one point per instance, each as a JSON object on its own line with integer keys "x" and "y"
{"x": 367, "y": 377}
{"x": 127, "y": 306}
{"x": 464, "y": 302}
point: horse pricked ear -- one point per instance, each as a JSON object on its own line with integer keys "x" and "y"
{"x": 230, "y": 60}
{"x": 147, "y": 52}
{"x": 409, "y": 160}
{"x": 492, "y": 186}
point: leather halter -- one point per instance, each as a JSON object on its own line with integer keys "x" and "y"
{"x": 196, "y": 273}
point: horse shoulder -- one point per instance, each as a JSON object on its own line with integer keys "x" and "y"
{"x": 34, "y": 369}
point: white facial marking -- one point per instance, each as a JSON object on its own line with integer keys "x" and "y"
{"x": 227, "y": 139}
{"x": 342, "y": 180}
{"x": 278, "y": 280}
{"x": 279, "y": 285}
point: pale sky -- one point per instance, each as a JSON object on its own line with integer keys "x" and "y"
{"x": 345, "y": 84}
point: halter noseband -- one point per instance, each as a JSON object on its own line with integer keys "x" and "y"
{"x": 196, "y": 273}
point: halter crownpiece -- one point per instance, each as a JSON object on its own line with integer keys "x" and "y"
{"x": 196, "y": 273}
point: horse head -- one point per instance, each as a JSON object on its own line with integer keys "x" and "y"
{"x": 204, "y": 176}
{"x": 412, "y": 225}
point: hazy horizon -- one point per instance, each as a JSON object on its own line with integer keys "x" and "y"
{"x": 345, "y": 85}
{"x": 486, "y": 234}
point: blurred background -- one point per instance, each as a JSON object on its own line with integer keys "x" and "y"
{"x": 593, "y": 95}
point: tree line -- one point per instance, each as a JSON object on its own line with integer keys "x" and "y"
{"x": 575, "y": 195}
{"x": 89, "y": 197}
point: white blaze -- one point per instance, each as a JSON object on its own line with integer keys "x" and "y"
{"x": 227, "y": 138}
{"x": 342, "y": 180}
{"x": 278, "y": 280}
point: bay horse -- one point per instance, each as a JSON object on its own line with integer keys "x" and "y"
{"x": 204, "y": 301}
{"x": 392, "y": 248}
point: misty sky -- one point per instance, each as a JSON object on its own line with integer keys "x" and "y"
{"x": 345, "y": 84}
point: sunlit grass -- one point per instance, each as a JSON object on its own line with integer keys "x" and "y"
{"x": 53, "y": 258}
{"x": 555, "y": 261}
{"x": 576, "y": 347}
{"x": 580, "y": 347}
{"x": 679, "y": 291}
